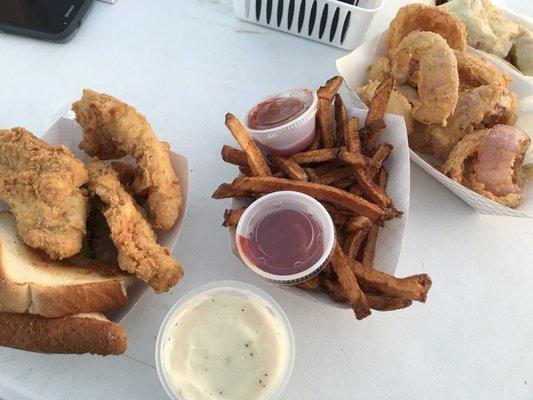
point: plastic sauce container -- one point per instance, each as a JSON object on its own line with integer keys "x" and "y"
{"x": 285, "y": 237}
{"x": 225, "y": 340}
{"x": 284, "y": 123}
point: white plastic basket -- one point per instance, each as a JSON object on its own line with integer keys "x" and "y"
{"x": 332, "y": 22}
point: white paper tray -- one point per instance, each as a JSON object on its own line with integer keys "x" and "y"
{"x": 67, "y": 132}
{"x": 390, "y": 239}
{"x": 354, "y": 70}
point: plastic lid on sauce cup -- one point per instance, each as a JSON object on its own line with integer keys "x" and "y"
{"x": 291, "y": 136}
{"x": 285, "y": 237}
{"x": 233, "y": 288}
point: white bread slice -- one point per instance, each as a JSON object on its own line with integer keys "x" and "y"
{"x": 75, "y": 334}
{"x": 30, "y": 282}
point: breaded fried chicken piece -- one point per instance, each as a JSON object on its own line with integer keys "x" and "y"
{"x": 41, "y": 184}
{"x": 138, "y": 251}
{"x": 112, "y": 129}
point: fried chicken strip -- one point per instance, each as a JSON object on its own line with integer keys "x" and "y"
{"x": 112, "y": 129}
{"x": 41, "y": 184}
{"x": 138, "y": 251}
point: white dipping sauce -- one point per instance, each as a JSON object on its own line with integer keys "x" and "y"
{"x": 225, "y": 345}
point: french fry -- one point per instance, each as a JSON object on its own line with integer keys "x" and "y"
{"x": 413, "y": 287}
{"x": 353, "y": 242}
{"x": 338, "y": 216}
{"x": 291, "y": 168}
{"x": 226, "y": 191}
{"x": 348, "y": 283}
{"x": 326, "y": 167}
{"x": 369, "y": 248}
{"x": 371, "y": 240}
{"x": 234, "y": 156}
{"x": 376, "y": 162}
{"x": 341, "y": 119}
{"x": 312, "y": 175}
{"x": 334, "y": 289}
{"x": 325, "y": 123}
{"x": 344, "y": 183}
{"x": 378, "y": 104}
{"x": 378, "y": 158}
{"x": 376, "y": 111}
{"x": 353, "y": 159}
{"x": 246, "y": 171}
{"x": 335, "y": 175}
{"x": 310, "y": 284}
{"x": 232, "y": 216}
{"x": 317, "y": 140}
{"x": 375, "y": 302}
{"x": 383, "y": 303}
{"x": 373, "y": 191}
{"x": 351, "y": 136}
{"x": 315, "y": 156}
{"x": 320, "y": 192}
{"x": 256, "y": 161}
{"x": 371, "y": 130}
{"x": 357, "y": 223}
{"x": 330, "y": 88}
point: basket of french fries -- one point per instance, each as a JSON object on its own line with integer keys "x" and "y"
{"x": 356, "y": 170}
{"x": 466, "y": 112}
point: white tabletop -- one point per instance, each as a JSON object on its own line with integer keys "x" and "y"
{"x": 185, "y": 64}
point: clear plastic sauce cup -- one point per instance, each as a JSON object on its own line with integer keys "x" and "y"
{"x": 284, "y": 123}
{"x": 225, "y": 340}
{"x": 285, "y": 237}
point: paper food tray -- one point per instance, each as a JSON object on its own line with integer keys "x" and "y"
{"x": 390, "y": 239}
{"x": 354, "y": 69}
{"x": 68, "y": 133}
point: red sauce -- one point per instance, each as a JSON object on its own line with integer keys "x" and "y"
{"x": 284, "y": 242}
{"x": 275, "y": 112}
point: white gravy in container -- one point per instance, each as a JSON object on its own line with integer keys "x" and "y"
{"x": 225, "y": 346}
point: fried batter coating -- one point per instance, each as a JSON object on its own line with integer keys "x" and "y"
{"x": 379, "y": 70}
{"x": 421, "y": 17}
{"x": 41, "y": 184}
{"x": 138, "y": 251}
{"x": 112, "y": 129}
{"x": 437, "y": 78}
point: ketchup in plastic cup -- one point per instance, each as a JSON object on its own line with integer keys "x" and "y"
{"x": 284, "y": 123}
{"x": 285, "y": 237}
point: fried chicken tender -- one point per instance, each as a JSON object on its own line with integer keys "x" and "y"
{"x": 112, "y": 129}
{"x": 138, "y": 251}
{"x": 41, "y": 184}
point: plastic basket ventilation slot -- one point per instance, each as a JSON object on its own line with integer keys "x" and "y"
{"x": 314, "y": 18}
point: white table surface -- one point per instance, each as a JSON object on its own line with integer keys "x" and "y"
{"x": 185, "y": 64}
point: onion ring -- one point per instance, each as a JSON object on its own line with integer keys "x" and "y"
{"x": 474, "y": 71}
{"x": 454, "y": 166}
{"x": 426, "y": 18}
{"x": 497, "y": 173}
{"x": 438, "y": 79}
